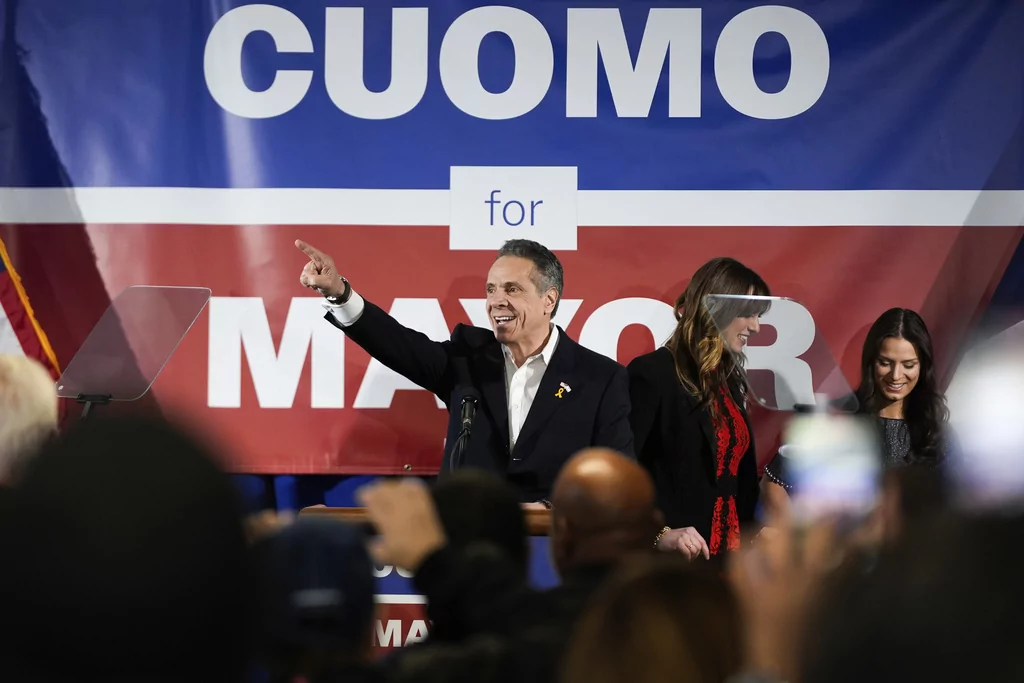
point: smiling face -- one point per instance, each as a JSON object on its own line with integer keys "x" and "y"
{"x": 517, "y": 310}
{"x": 739, "y": 331}
{"x": 897, "y": 368}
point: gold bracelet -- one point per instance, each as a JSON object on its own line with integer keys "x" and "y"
{"x": 660, "y": 534}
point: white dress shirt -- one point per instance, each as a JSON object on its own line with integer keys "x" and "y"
{"x": 521, "y": 383}
{"x": 349, "y": 312}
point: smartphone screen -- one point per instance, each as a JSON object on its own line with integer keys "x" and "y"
{"x": 834, "y": 465}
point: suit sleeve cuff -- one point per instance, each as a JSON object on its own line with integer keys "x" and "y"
{"x": 349, "y": 312}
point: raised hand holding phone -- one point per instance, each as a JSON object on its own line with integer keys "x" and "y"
{"x": 834, "y": 464}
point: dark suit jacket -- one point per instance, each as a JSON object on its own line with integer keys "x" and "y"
{"x": 675, "y": 441}
{"x": 595, "y": 412}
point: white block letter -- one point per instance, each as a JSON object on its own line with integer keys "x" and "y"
{"x": 670, "y": 32}
{"x": 382, "y": 571}
{"x": 534, "y": 65}
{"x": 601, "y": 331}
{"x": 343, "y": 68}
{"x": 392, "y": 636}
{"x": 222, "y": 61}
{"x": 794, "y": 328}
{"x": 417, "y": 632}
{"x": 238, "y": 323}
{"x": 809, "y": 63}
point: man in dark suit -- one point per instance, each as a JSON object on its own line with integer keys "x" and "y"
{"x": 542, "y": 397}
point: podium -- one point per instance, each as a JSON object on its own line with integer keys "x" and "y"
{"x": 130, "y": 345}
{"x": 538, "y": 522}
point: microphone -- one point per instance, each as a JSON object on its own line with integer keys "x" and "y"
{"x": 468, "y": 412}
{"x": 469, "y": 402}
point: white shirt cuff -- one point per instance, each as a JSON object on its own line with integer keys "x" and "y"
{"x": 349, "y": 312}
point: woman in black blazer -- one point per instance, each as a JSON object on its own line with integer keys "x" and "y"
{"x": 690, "y": 425}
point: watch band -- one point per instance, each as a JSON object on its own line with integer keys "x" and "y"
{"x": 345, "y": 295}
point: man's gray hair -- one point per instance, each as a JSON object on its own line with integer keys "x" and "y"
{"x": 28, "y": 410}
{"x": 547, "y": 269}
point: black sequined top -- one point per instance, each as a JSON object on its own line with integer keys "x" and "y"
{"x": 895, "y": 450}
{"x": 896, "y": 442}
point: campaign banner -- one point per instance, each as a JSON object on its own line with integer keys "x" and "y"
{"x": 401, "y": 618}
{"x": 858, "y": 158}
{"x": 401, "y": 615}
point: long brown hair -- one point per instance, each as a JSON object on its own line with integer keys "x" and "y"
{"x": 702, "y": 363}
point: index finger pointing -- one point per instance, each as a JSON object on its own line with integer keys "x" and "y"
{"x": 309, "y": 250}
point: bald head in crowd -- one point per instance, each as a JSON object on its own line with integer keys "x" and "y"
{"x": 604, "y": 509}
{"x": 28, "y": 410}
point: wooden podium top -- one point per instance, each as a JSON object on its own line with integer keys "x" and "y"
{"x": 538, "y": 522}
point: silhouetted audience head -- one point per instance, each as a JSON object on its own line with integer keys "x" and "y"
{"x": 474, "y": 506}
{"x": 124, "y": 559}
{"x": 943, "y": 606}
{"x": 659, "y": 620}
{"x": 28, "y": 411}
{"x": 315, "y": 590}
{"x": 604, "y": 509}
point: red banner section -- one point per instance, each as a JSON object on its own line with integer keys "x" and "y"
{"x": 401, "y": 621}
{"x": 287, "y": 393}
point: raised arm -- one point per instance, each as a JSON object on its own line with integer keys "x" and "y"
{"x": 408, "y": 352}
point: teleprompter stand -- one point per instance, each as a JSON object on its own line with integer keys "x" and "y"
{"x": 130, "y": 345}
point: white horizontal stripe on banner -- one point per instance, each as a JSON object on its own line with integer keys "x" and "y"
{"x": 612, "y": 208}
{"x": 394, "y": 599}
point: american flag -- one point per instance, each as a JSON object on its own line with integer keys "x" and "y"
{"x": 20, "y": 332}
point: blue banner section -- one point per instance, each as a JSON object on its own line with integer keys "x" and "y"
{"x": 921, "y": 94}
{"x": 542, "y": 573}
{"x": 391, "y": 582}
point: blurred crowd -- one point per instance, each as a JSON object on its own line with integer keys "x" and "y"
{"x": 125, "y": 555}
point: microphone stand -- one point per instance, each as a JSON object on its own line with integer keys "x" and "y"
{"x": 459, "y": 449}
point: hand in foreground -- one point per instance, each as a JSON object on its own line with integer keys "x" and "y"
{"x": 534, "y": 506}
{"x": 686, "y": 541}
{"x": 266, "y": 523}
{"x": 406, "y": 520}
{"x": 320, "y": 273}
{"x": 775, "y": 580}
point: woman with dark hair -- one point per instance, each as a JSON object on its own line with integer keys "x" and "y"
{"x": 898, "y": 386}
{"x": 690, "y": 425}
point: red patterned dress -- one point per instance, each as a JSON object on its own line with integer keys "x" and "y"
{"x": 733, "y": 440}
